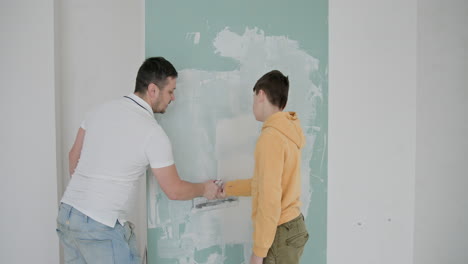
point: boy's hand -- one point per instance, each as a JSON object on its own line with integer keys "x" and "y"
{"x": 221, "y": 194}
{"x": 255, "y": 260}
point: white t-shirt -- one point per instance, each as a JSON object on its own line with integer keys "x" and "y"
{"x": 122, "y": 138}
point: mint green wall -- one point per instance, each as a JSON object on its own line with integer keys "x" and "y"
{"x": 215, "y": 85}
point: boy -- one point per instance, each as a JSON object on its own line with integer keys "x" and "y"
{"x": 279, "y": 233}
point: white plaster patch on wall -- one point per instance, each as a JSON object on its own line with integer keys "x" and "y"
{"x": 236, "y": 137}
{"x": 194, "y": 36}
{"x": 258, "y": 54}
{"x": 215, "y": 259}
{"x": 219, "y": 137}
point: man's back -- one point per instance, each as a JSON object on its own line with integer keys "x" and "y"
{"x": 122, "y": 138}
{"x": 112, "y": 149}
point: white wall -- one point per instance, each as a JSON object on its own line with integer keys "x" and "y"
{"x": 28, "y": 191}
{"x": 379, "y": 143}
{"x": 101, "y": 48}
{"x": 441, "y": 219}
{"x": 372, "y": 129}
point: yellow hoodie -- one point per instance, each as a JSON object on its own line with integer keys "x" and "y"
{"x": 276, "y": 184}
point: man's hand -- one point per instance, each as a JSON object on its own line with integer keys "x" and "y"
{"x": 210, "y": 190}
{"x": 255, "y": 260}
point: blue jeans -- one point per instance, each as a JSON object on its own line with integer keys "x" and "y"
{"x": 86, "y": 241}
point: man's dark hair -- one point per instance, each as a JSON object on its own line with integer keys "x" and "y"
{"x": 276, "y": 87}
{"x": 154, "y": 70}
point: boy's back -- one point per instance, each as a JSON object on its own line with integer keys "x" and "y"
{"x": 279, "y": 230}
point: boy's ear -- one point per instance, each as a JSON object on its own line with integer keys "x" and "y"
{"x": 262, "y": 96}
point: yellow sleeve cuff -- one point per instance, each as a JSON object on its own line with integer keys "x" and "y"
{"x": 238, "y": 188}
{"x": 260, "y": 252}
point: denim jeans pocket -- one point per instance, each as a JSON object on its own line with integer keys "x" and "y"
{"x": 71, "y": 255}
{"x": 131, "y": 239}
{"x": 96, "y": 251}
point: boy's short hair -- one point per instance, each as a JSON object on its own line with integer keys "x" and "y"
{"x": 276, "y": 87}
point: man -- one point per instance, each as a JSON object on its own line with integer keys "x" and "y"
{"x": 279, "y": 233}
{"x": 113, "y": 148}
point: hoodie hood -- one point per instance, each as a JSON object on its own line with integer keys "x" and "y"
{"x": 289, "y": 125}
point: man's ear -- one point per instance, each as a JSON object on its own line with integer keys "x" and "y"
{"x": 153, "y": 90}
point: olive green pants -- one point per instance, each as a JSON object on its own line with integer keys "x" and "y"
{"x": 290, "y": 239}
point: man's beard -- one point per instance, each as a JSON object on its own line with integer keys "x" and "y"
{"x": 159, "y": 109}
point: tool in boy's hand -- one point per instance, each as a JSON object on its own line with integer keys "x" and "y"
{"x": 202, "y": 204}
{"x": 220, "y": 183}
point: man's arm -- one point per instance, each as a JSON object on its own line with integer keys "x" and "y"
{"x": 177, "y": 189}
{"x": 75, "y": 152}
